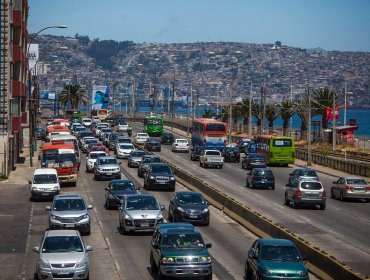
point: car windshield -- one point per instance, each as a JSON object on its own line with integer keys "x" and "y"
{"x": 127, "y": 147}
{"x": 182, "y": 141}
{"x": 142, "y": 135}
{"x": 280, "y": 253}
{"x": 262, "y": 172}
{"x": 213, "y": 153}
{"x": 122, "y": 186}
{"x": 91, "y": 141}
{"x": 96, "y": 155}
{"x": 138, "y": 154}
{"x": 356, "y": 182}
{"x": 45, "y": 179}
{"x": 308, "y": 173}
{"x": 255, "y": 156}
{"x": 108, "y": 161}
{"x": 71, "y": 204}
{"x": 39, "y": 129}
{"x": 193, "y": 198}
{"x": 186, "y": 240}
{"x": 124, "y": 140}
{"x": 142, "y": 203}
{"x": 102, "y": 148}
{"x": 80, "y": 128}
{"x": 230, "y": 149}
{"x": 62, "y": 244}
{"x": 161, "y": 169}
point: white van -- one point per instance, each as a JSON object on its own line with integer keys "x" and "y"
{"x": 45, "y": 183}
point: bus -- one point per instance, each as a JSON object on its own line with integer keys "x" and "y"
{"x": 153, "y": 125}
{"x": 103, "y": 114}
{"x": 276, "y": 149}
{"x": 209, "y": 133}
{"x": 62, "y": 157}
{"x": 73, "y": 113}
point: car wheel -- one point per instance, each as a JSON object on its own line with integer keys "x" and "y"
{"x": 106, "y": 205}
{"x": 322, "y": 206}
{"x": 251, "y": 185}
{"x": 248, "y": 273}
{"x": 200, "y": 163}
{"x": 172, "y": 189}
{"x": 169, "y": 216}
{"x": 243, "y": 165}
{"x": 160, "y": 275}
{"x": 35, "y": 277}
{"x": 286, "y": 200}
{"x": 153, "y": 266}
{"x": 332, "y": 195}
{"x": 221, "y": 166}
{"x": 341, "y": 197}
{"x": 207, "y": 222}
{"x": 208, "y": 277}
{"x": 88, "y": 231}
{"x": 139, "y": 174}
{"x": 295, "y": 204}
{"x": 273, "y": 187}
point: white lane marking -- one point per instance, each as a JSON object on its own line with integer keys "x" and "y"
{"x": 334, "y": 232}
{"x": 279, "y": 205}
{"x": 114, "y": 260}
{"x": 305, "y": 218}
{"x": 25, "y": 260}
{"x": 91, "y": 199}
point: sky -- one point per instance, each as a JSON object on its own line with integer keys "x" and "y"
{"x": 342, "y": 25}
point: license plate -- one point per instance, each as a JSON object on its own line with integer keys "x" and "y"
{"x": 45, "y": 194}
{"x": 161, "y": 182}
{"x": 62, "y": 272}
{"x": 311, "y": 195}
{"x": 144, "y": 225}
{"x": 109, "y": 174}
{"x": 359, "y": 189}
{"x": 193, "y": 216}
{"x": 70, "y": 225}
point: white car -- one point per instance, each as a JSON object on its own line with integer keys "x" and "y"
{"x": 123, "y": 150}
{"x": 86, "y": 122}
{"x": 123, "y": 127}
{"x": 45, "y": 183}
{"x": 180, "y": 145}
{"x": 99, "y": 127}
{"x": 91, "y": 159}
{"x": 141, "y": 137}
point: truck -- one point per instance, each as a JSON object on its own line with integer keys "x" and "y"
{"x": 211, "y": 158}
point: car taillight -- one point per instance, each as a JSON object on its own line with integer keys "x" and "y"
{"x": 324, "y": 194}
{"x": 367, "y": 188}
{"x": 298, "y": 193}
{"x": 349, "y": 188}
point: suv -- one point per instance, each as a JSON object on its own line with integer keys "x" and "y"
{"x": 231, "y": 154}
{"x": 111, "y": 143}
{"x": 69, "y": 211}
{"x": 302, "y": 173}
{"x": 107, "y": 167}
{"x": 159, "y": 174}
{"x": 45, "y": 183}
{"x": 167, "y": 138}
{"x": 146, "y": 160}
{"x": 260, "y": 178}
{"x": 305, "y": 191}
{"x": 178, "y": 249}
{"x": 62, "y": 254}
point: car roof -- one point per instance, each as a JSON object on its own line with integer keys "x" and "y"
{"x": 62, "y": 232}
{"x": 67, "y": 196}
{"x": 276, "y": 241}
{"x": 107, "y": 157}
{"x": 140, "y": 195}
{"x": 119, "y": 180}
{"x": 262, "y": 169}
{"x": 159, "y": 163}
{"x": 44, "y": 171}
{"x": 177, "y": 227}
{"x": 353, "y": 177}
{"x": 187, "y": 192}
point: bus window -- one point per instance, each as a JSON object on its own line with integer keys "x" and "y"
{"x": 282, "y": 142}
{"x": 215, "y": 127}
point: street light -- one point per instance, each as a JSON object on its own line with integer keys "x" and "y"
{"x": 31, "y": 113}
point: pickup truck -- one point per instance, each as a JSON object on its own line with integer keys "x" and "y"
{"x": 211, "y": 158}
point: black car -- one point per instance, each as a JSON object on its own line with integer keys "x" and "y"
{"x": 242, "y": 147}
{"x": 159, "y": 175}
{"x": 152, "y": 145}
{"x": 187, "y": 206}
{"x": 231, "y": 154}
{"x": 167, "y": 138}
{"x": 40, "y": 133}
{"x": 116, "y": 189}
{"x": 195, "y": 152}
{"x": 253, "y": 160}
{"x": 146, "y": 160}
{"x": 260, "y": 178}
{"x": 111, "y": 143}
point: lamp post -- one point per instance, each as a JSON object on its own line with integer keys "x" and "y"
{"x": 31, "y": 115}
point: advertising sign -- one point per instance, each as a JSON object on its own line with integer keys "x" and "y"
{"x": 33, "y": 56}
{"x": 100, "y": 97}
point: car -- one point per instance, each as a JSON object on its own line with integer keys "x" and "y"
{"x": 273, "y": 258}
{"x": 78, "y": 129}
{"x": 260, "y": 178}
{"x": 187, "y": 206}
{"x": 167, "y": 138}
{"x": 195, "y": 152}
{"x": 178, "y": 250}
{"x": 146, "y": 160}
{"x": 44, "y": 183}
{"x": 99, "y": 147}
{"x": 73, "y": 125}
{"x": 91, "y": 159}
{"x": 242, "y": 147}
{"x": 152, "y": 145}
{"x": 134, "y": 158}
{"x": 83, "y": 134}
{"x": 69, "y": 211}
{"x": 123, "y": 139}
{"x": 103, "y": 132}
{"x": 253, "y": 160}
{"x": 180, "y": 145}
{"x": 231, "y": 154}
{"x": 116, "y": 190}
{"x": 107, "y": 167}
{"x": 111, "y": 143}
{"x": 350, "y": 187}
{"x": 57, "y": 247}
{"x": 87, "y": 143}
{"x": 123, "y": 126}
{"x": 40, "y": 133}
{"x": 302, "y": 173}
{"x": 305, "y": 192}
{"x": 141, "y": 137}
{"x": 160, "y": 175}
{"x": 86, "y": 122}
{"x": 123, "y": 150}
{"x": 139, "y": 212}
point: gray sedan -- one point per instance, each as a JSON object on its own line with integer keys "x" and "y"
{"x": 350, "y": 187}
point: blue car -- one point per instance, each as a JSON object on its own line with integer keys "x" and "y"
{"x": 116, "y": 190}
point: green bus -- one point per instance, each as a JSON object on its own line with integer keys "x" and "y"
{"x": 153, "y": 125}
{"x": 278, "y": 150}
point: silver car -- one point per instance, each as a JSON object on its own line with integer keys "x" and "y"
{"x": 140, "y": 212}
{"x": 107, "y": 167}
{"x": 134, "y": 158}
{"x": 123, "y": 150}
{"x": 350, "y": 187}
{"x": 62, "y": 255}
{"x": 69, "y": 211}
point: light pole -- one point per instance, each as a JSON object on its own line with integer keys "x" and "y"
{"x": 250, "y": 113}
{"x": 31, "y": 115}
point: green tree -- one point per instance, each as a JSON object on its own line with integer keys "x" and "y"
{"x": 272, "y": 113}
{"x": 302, "y": 111}
{"x": 322, "y": 98}
{"x": 74, "y": 95}
{"x": 243, "y": 110}
{"x": 286, "y": 113}
{"x": 208, "y": 113}
{"x": 257, "y": 112}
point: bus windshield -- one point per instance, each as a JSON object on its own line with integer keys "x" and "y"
{"x": 215, "y": 127}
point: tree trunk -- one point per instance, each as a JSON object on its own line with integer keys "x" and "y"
{"x": 285, "y": 126}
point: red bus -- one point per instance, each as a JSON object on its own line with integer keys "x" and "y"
{"x": 209, "y": 133}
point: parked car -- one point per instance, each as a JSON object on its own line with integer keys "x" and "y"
{"x": 180, "y": 145}
{"x": 91, "y": 159}
{"x": 134, "y": 158}
{"x": 146, "y": 160}
{"x": 167, "y": 138}
{"x": 116, "y": 190}
{"x": 185, "y": 242}
{"x": 187, "y": 206}
{"x": 107, "y": 167}
{"x": 305, "y": 192}
{"x": 231, "y": 154}
{"x": 62, "y": 255}
{"x": 253, "y": 160}
{"x": 40, "y": 133}
{"x": 260, "y": 178}
{"x": 268, "y": 257}
{"x": 141, "y": 137}
{"x": 69, "y": 211}
{"x": 152, "y": 145}
{"x": 350, "y": 187}
{"x": 159, "y": 175}
{"x": 86, "y": 122}
{"x": 44, "y": 183}
{"x": 123, "y": 150}
{"x": 302, "y": 174}
{"x": 139, "y": 212}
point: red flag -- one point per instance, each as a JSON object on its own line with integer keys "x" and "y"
{"x": 329, "y": 113}
{"x": 336, "y": 113}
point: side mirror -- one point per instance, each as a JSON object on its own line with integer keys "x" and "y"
{"x": 88, "y": 248}
{"x": 47, "y": 208}
{"x": 106, "y": 189}
{"x": 89, "y": 207}
{"x": 36, "y": 249}
{"x": 29, "y": 182}
{"x": 120, "y": 163}
{"x": 162, "y": 207}
{"x": 208, "y": 245}
{"x": 155, "y": 246}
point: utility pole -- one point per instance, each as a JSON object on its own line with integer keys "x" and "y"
{"x": 291, "y": 102}
{"x": 345, "y": 103}
{"x": 309, "y": 151}
{"x": 334, "y": 125}
{"x": 173, "y": 98}
{"x": 250, "y": 113}
{"x": 230, "y": 111}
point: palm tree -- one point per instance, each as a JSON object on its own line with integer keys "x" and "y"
{"x": 272, "y": 113}
{"x": 243, "y": 110}
{"x": 302, "y": 111}
{"x": 74, "y": 95}
{"x": 208, "y": 113}
{"x": 257, "y": 112}
{"x": 322, "y": 98}
{"x": 286, "y": 113}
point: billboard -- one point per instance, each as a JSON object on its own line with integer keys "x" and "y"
{"x": 100, "y": 97}
{"x": 33, "y": 56}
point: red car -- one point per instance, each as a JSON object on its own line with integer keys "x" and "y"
{"x": 99, "y": 148}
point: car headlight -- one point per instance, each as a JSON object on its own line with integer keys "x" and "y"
{"x": 34, "y": 188}
{"x": 54, "y": 217}
{"x": 180, "y": 209}
{"x": 152, "y": 177}
{"x": 169, "y": 260}
{"x": 205, "y": 210}
{"x": 267, "y": 272}
{"x": 128, "y": 217}
{"x": 302, "y": 273}
{"x": 117, "y": 169}
{"x": 172, "y": 178}
{"x": 84, "y": 216}
{"x": 160, "y": 220}
{"x": 82, "y": 263}
{"x": 110, "y": 196}
{"x": 56, "y": 188}
{"x": 100, "y": 170}
{"x": 43, "y": 264}
{"x": 205, "y": 259}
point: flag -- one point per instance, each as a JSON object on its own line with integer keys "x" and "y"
{"x": 330, "y": 114}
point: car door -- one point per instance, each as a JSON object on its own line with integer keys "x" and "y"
{"x": 253, "y": 256}
{"x": 156, "y": 252}
{"x": 290, "y": 190}
{"x": 339, "y": 186}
